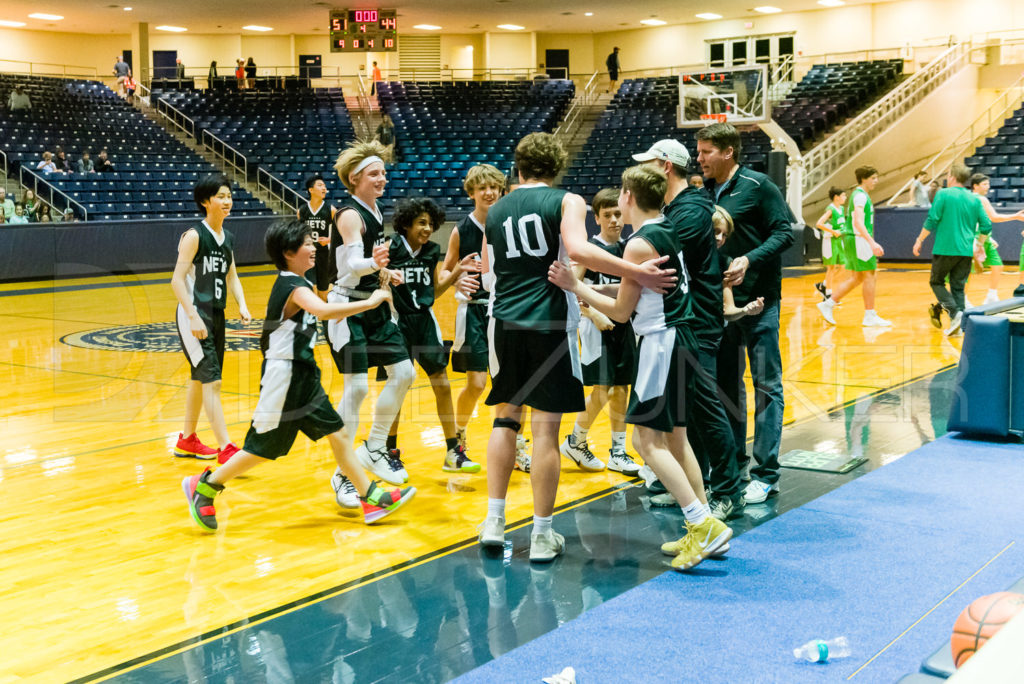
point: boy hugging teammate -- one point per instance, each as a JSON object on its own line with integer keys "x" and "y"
{"x": 484, "y": 184}
{"x": 319, "y": 216}
{"x": 416, "y": 258}
{"x": 607, "y": 353}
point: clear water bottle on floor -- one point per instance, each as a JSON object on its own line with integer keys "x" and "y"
{"x": 819, "y": 651}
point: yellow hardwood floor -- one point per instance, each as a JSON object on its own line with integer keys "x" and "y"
{"x": 101, "y": 562}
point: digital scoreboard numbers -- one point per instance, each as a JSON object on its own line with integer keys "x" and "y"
{"x": 364, "y": 30}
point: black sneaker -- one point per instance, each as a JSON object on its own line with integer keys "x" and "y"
{"x": 656, "y": 487}
{"x": 935, "y": 315}
{"x": 820, "y": 287}
{"x": 1018, "y": 291}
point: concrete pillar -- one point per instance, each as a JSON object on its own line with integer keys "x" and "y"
{"x": 142, "y": 58}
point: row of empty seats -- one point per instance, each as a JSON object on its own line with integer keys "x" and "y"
{"x": 1001, "y": 158}
{"x": 85, "y": 116}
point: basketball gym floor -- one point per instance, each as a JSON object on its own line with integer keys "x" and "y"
{"x": 106, "y": 576}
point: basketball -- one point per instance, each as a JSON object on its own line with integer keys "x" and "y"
{"x": 981, "y": 620}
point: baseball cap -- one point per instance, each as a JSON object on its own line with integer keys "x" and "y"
{"x": 666, "y": 150}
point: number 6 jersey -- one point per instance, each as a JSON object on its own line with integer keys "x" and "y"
{"x": 523, "y": 240}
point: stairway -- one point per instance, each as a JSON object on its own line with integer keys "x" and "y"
{"x": 589, "y": 117}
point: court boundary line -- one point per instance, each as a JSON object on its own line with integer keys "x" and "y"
{"x": 292, "y": 606}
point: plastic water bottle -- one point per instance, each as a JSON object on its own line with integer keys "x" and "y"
{"x": 819, "y": 651}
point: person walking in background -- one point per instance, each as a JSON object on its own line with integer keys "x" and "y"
{"x": 374, "y": 78}
{"x": 211, "y": 76}
{"x": 121, "y": 70}
{"x": 19, "y": 99}
{"x": 240, "y": 73}
{"x": 612, "y": 64}
{"x": 250, "y": 74}
{"x": 919, "y": 191}
{"x": 953, "y": 218}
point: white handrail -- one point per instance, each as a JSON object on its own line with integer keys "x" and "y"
{"x": 36, "y": 179}
{"x": 987, "y": 123}
{"x": 34, "y": 68}
{"x": 364, "y": 105}
{"x": 574, "y": 116}
{"x": 162, "y": 105}
{"x": 286, "y": 190}
{"x": 219, "y": 148}
{"x": 825, "y": 158}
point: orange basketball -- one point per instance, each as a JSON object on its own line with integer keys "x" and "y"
{"x": 981, "y": 620}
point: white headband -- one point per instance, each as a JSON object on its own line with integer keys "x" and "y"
{"x": 366, "y": 162}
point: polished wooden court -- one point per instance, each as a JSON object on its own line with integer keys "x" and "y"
{"x": 101, "y": 562}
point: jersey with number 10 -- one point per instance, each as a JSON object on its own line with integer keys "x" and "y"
{"x": 523, "y": 240}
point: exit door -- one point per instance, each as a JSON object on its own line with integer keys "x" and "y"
{"x": 557, "y": 63}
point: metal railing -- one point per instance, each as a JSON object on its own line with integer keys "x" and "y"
{"x": 828, "y": 156}
{"x": 176, "y": 117}
{"x": 278, "y": 190}
{"x": 573, "y": 119}
{"x": 985, "y": 125}
{"x": 51, "y": 192}
{"x": 46, "y": 69}
{"x": 364, "y": 106}
{"x": 4, "y": 167}
{"x": 231, "y": 156}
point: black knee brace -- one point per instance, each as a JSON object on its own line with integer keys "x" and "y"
{"x": 507, "y": 423}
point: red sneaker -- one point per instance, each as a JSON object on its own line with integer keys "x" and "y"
{"x": 227, "y": 452}
{"x": 191, "y": 447}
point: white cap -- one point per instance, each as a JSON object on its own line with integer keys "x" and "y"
{"x": 666, "y": 150}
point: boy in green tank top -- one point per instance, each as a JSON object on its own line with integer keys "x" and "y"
{"x": 833, "y": 227}
{"x": 663, "y": 381}
{"x": 607, "y": 353}
{"x": 532, "y": 334}
{"x": 291, "y": 396}
{"x": 417, "y": 258}
{"x": 203, "y": 275}
{"x": 861, "y": 252}
{"x": 485, "y": 185}
{"x": 985, "y": 247}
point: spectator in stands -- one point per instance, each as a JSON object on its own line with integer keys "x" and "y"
{"x": 121, "y": 70}
{"x": 43, "y": 215}
{"x": 30, "y": 204}
{"x": 19, "y": 215}
{"x": 240, "y": 74}
{"x": 933, "y": 189}
{"x": 3, "y": 219}
{"x": 954, "y": 216}
{"x": 46, "y": 164}
{"x": 763, "y": 229}
{"x": 696, "y": 181}
{"x": 19, "y": 99}
{"x": 85, "y": 164}
{"x": 919, "y": 196}
{"x": 69, "y": 216}
{"x": 612, "y": 63}
{"x": 61, "y": 161}
{"x": 212, "y": 75}
{"x": 6, "y": 204}
{"x": 129, "y": 86}
{"x": 179, "y": 69}
{"x": 250, "y": 73}
{"x": 386, "y": 133}
{"x": 104, "y": 165}
{"x": 374, "y": 78}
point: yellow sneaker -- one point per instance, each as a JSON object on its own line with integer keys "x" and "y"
{"x": 700, "y": 542}
{"x": 673, "y": 548}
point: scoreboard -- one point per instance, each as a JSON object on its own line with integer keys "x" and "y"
{"x": 364, "y": 30}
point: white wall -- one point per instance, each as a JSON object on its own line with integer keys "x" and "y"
{"x": 95, "y": 52}
{"x": 509, "y": 50}
{"x": 579, "y": 45}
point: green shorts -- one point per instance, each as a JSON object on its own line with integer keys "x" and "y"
{"x": 615, "y": 351}
{"x": 291, "y": 400}
{"x": 366, "y": 340}
{"x": 663, "y": 382}
{"x": 857, "y": 254}
{"x": 469, "y": 351}
{"x": 992, "y": 255}
{"x": 832, "y": 251}
{"x": 423, "y": 341}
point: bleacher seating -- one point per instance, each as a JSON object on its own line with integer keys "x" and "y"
{"x": 831, "y": 93}
{"x": 1001, "y": 158}
{"x": 289, "y": 133}
{"x": 642, "y": 112}
{"x": 442, "y": 129}
{"x": 155, "y": 173}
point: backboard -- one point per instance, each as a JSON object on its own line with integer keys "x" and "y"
{"x": 734, "y": 94}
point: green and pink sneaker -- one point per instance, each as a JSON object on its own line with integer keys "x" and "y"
{"x": 200, "y": 494}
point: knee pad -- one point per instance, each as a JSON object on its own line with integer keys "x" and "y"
{"x": 507, "y": 423}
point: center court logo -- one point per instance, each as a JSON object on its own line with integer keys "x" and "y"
{"x": 161, "y": 337}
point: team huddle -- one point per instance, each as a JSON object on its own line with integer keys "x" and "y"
{"x": 652, "y": 325}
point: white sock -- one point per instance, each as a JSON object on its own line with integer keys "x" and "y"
{"x": 869, "y": 312}
{"x": 356, "y": 389}
{"x": 579, "y": 434}
{"x": 541, "y": 524}
{"x": 496, "y": 508}
{"x": 707, "y": 507}
{"x": 993, "y": 293}
{"x": 695, "y": 512}
{"x": 389, "y": 403}
{"x": 619, "y": 441}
